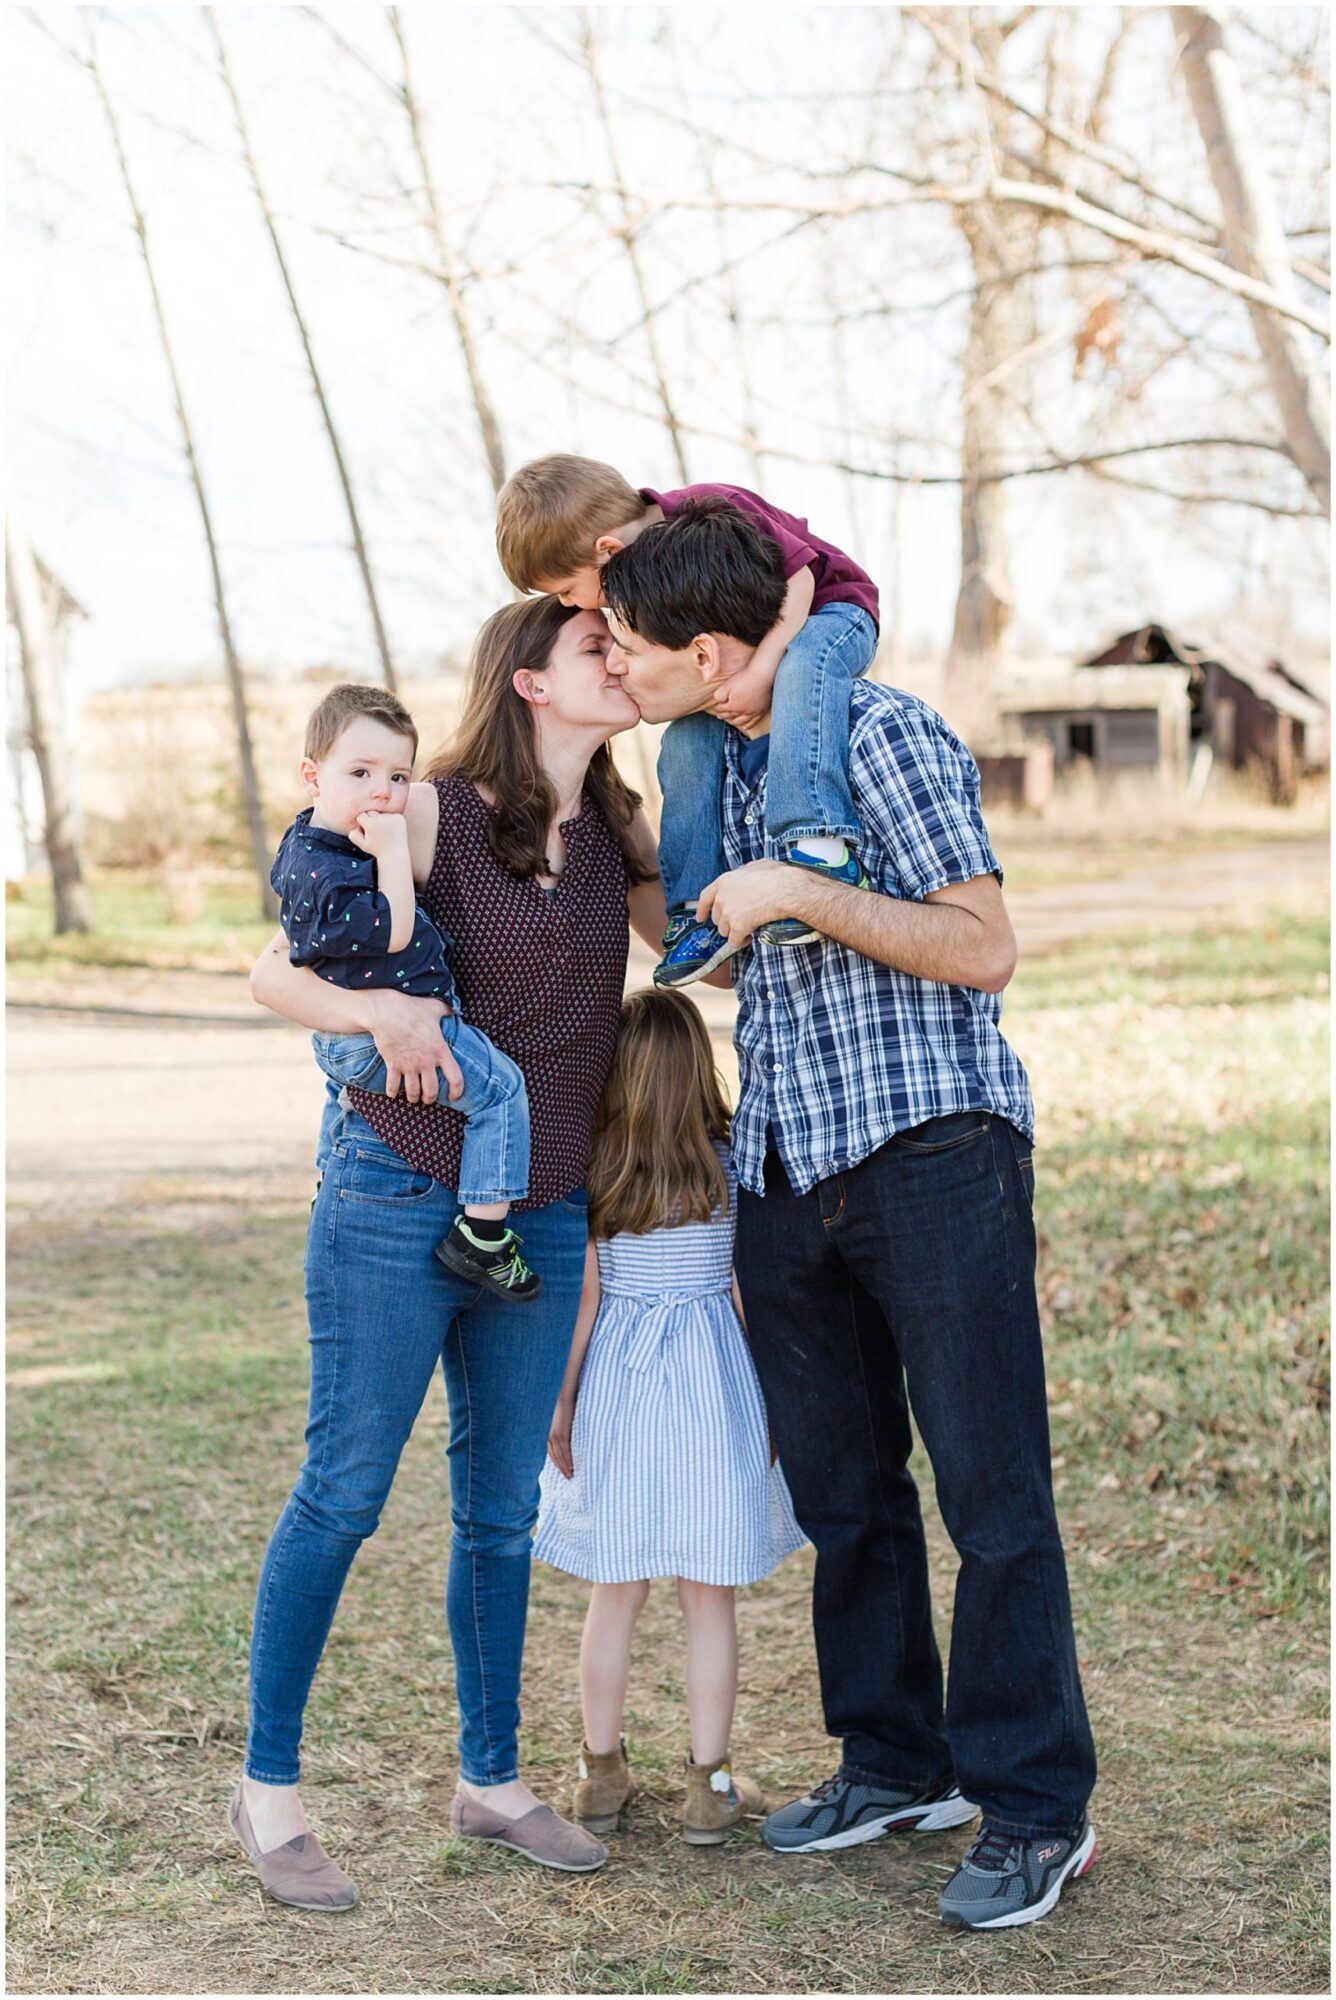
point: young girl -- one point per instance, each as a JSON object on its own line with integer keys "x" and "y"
{"x": 659, "y": 1458}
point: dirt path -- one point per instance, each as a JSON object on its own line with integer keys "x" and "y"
{"x": 139, "y": 1087}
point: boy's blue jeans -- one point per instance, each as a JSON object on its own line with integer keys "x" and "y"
{"x": 385, "y": 1317}
{"x": 807, "y": 781}
{"x": 494, "y": 1162}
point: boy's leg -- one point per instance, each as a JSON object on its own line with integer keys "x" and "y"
{"x": 494, "y": 1160}
{"x": 807, "y": 784}
{"x": 350, "y": 1059}
{"x": 691, "y": 778}
{"x": 937, "y": 1225}
{"x": 493, "y": 1167}
{"x": 834, "y": 1392}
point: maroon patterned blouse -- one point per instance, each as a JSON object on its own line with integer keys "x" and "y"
{"x": 541, "y": 974}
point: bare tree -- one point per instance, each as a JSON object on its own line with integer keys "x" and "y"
{"x": 449, "y": 272}
{"x": 250, "y": 784}
{"x": 1254, "y": 241}
{"x": 303, "y": 333}
{"x": 31, "y": 611}
{"x": 626, "y": 232}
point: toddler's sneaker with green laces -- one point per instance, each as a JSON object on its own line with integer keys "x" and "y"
{"x": 792, "y": 930}
{"x": 496, "y": 1265}
{"x": 1007, "y": 1879}
{"x": 690, "y": 950}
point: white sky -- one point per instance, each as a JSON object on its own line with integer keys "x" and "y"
{"x": 96, "y": 462}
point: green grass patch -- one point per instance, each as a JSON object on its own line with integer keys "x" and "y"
{"x": 202, "y": 923}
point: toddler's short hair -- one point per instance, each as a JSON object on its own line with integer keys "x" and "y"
{"x": 551, "y": 512}
{"x": 331, "y": 716}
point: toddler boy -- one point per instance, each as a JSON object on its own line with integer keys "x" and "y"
{"x": 558, "y": 520}
{"x": 344, "y": 877}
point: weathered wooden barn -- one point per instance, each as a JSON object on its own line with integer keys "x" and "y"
{"x": 1245, "y": 705}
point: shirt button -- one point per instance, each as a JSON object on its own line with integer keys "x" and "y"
{"x": 778, "y": 1068}
{"x": 769, "y": 992}
{"x": 749, "y": 819}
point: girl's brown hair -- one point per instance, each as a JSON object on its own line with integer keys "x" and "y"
{"x": 652, "y": 1161}
{"x": 496, "y": 744}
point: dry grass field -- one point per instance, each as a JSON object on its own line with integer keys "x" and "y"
{"x": 156, "y": 1397}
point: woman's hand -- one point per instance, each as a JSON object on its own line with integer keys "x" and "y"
{"x": 407, "y": 1031}
{"x": 559, "y": 1437}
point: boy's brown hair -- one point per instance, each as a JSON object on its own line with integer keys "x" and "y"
{"x": 551, "y": 512}
{"x": 331, "y": 716}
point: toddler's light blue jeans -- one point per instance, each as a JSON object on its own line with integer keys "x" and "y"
{"x": 807, "y": 782}
{"x": 494, "y": 1163}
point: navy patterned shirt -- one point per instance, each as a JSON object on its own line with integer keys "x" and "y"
{"x": 836, "y": 1054}
{"x": 338, "y": 922}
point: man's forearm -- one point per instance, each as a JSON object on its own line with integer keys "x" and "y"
{"x": 937, "y": 939}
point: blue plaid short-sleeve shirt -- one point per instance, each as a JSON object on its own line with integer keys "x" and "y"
{"x": 836, "y": 1053}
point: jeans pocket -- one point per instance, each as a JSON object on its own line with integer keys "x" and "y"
{"x": 379, "y": 1175}
{"x": 1024, "y": 1153}
{"x": 578, "y": 1199}
{"x": 942, "y": 1135}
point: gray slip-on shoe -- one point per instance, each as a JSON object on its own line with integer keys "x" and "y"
{"x": 299, "y": 1873}
{"x": 540, "y": 1835}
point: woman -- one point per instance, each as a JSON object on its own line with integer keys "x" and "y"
{"x": 527, "y": 848}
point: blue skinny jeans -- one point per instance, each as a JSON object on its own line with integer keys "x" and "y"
{"x": 384, "y": 1314}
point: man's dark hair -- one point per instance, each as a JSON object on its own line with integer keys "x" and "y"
{"x": 707, "y": 569}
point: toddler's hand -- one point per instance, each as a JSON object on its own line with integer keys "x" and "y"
{"x": 379, "y": 833}
{"x": 744, "y": 698}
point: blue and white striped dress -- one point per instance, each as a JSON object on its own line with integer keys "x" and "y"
{"x": 669, "y": 1444}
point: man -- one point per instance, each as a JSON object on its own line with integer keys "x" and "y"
{"x": 885, "y": 1251}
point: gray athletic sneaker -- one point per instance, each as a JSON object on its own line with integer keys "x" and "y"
{"x": 1006, "y": 1879}
{"x": 844, "y": 1812}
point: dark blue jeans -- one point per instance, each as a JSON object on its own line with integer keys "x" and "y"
{"x": 909, "y": 1281}
{"x": 384, "y": 1315}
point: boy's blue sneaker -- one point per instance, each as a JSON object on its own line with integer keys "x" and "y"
{"x": 1006, "y": 1879}
{"x": 792, "y": 930}
{"x": 690, "y": 950}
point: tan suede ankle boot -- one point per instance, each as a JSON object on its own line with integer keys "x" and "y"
{"x": 604, "y": 1788}
{"x": 716, "y": 1800}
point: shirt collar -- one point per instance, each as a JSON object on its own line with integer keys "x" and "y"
{"x": 322, "y": 836}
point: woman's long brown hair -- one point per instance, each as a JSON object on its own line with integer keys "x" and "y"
{"x": 652, "y": 1160}
{"x": 495, "y": 745}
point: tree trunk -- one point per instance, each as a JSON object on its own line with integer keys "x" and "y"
{"x": 46, "y": 727}
{"x": 250, "y": 784}
{"x": 483, "y": 408}
{"x": 345, "y": 483}
{"x": 626, "y": 235}
{"x": 1000, "y": 241}
{"x": 1254, "y": 242}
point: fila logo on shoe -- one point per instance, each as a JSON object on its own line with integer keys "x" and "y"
{"x": 1047, "y": 1853}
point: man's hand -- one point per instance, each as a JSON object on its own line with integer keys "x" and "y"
{"x": 756, "y": 893}
{"x": 381, "y": 834}
{"x": 559, "y": 1438}
{"x": 407, "y": 1029}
